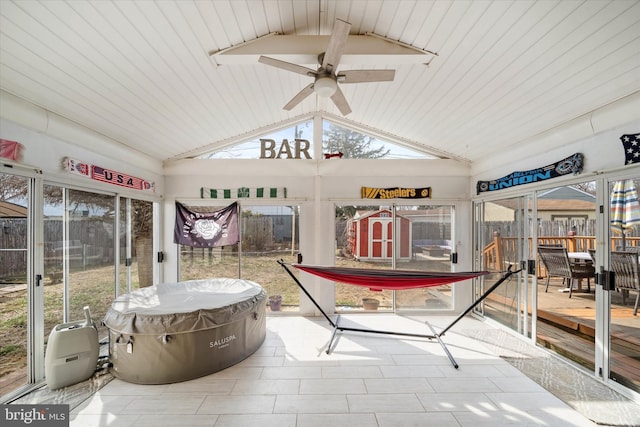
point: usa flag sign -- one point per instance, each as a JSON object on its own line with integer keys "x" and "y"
{"x": 79, "y": 167}
{"x": 117, "y": 178}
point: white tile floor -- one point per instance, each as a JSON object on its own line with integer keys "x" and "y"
{"x": 368, "y": 380}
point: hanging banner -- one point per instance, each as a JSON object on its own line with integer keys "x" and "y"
{"x": 631, "y": 145}
{"x": 76, "y": 167}
{"x": 243, "y": 193}
{"x": 11, "y": 150}
{"x": 395, "y": 193}
{"x": 97, "y": 173}
{"x": 572, "y": 164}
{"x": 206, "y": 230}
{"x": 117, "y": 178}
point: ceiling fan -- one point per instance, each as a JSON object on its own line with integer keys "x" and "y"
{"x": 326, "y": 77}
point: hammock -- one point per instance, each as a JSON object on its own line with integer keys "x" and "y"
{"x": 378, "y": 280}
{"x": 394, "y": 280}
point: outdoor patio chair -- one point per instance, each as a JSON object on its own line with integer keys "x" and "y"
{"x": 625, "y": 266}
{"x": 556, "y": 262}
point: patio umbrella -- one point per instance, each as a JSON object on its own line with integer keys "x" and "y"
{"x": 625, "y": 209}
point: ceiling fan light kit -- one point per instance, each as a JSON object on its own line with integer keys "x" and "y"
{"x": 325, "y": 86}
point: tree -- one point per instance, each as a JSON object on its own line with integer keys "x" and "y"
{"x": 587, "y": 187}
{"x": 352, "y": 144}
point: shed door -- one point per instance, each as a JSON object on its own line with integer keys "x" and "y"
{"x": 381, "y": 243}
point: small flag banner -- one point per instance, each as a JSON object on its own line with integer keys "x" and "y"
{"x": 206, "y": 230}
{"x": 97, "y": 173}
{"x": 631, "y": 144}
{"x": 570, "y": 165}
{"x": 76, "y": 167}
{"x": 395, "y": 193}
{"x": 243, "y": 193}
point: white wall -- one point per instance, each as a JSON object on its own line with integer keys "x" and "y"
{"x": 596, "y": 135}
{"x": 48, "y": 138}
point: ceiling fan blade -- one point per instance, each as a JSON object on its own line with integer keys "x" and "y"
{"x": 336, "y": 45}
{"x": 308, "y": 90}
{"x": 287, "y": 66}
{"x": 364, "y": 76}
{"x": 341, "y": 102}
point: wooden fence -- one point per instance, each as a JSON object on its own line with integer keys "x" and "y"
{"x": 90, "y": 243}
{"x": 503, "y": 251}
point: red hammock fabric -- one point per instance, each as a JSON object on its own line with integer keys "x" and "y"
{"x": 377, "y": 280}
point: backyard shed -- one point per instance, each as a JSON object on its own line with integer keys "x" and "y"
{"x": 371, "y": 236}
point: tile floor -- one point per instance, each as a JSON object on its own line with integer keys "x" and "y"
{"x": 368, "y": 380}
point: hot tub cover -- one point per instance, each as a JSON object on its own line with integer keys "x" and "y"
{"x": 170, "y": 308}
{"x": 177, "y": 331}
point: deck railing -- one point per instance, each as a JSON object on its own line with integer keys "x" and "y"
{"x": 503, "y": 251}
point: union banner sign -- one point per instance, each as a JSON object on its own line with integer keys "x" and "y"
{"x": 572, "y": 164}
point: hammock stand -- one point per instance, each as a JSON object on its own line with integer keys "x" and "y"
{"x": 435, "y": 335}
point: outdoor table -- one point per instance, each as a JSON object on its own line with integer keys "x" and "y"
{"x": 578, "y": 258}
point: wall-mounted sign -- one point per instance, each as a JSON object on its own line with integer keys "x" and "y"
{"x": 243, "y": 193}
{"x": 109, "y": 176}
{"x": 269, "y": 149}
{"x": 572, "y": 164}
{"x": 395, "y": 193}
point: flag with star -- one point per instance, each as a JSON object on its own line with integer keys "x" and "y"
{"x": 631, "y": 144}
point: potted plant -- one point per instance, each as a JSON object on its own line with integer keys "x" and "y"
{"x": 370, "y": 303}
{"x": 275, "y": 302}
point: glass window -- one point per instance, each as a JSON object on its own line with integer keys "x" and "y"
{"x": 14, "y": 304}
{"x": 136, "y": 245}
{"x": 296, "y": 142}
{"x": 268, "y": 234}
{"x": 79, "y": 254}
{"x": 293, "y": 142}
{"x": 418, "y": 239}
{"x": 350, "y": 144}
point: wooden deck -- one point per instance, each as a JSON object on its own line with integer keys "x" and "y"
{"x": 567, "y": 326}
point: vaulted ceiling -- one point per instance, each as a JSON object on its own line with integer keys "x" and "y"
{"x": 170, "y": 78}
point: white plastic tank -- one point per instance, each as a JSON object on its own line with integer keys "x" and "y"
{"x": 72, "y": 352}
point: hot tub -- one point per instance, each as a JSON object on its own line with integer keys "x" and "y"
{"x": 179, "y": 331}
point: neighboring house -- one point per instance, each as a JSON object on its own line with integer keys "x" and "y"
{"x": 566, "y": 203}
{"x": 562, "y": 203}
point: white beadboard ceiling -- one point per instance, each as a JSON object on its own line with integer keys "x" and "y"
{"x": 141, "y": 72}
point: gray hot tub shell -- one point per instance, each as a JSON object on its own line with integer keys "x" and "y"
{"x": 174, "y": 332}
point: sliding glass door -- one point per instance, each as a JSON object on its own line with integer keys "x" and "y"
{"x": 135, "y": 251}
{"x": 566, "y": 306}
{"x": 623, "y": 326}
{"x": 79, "y": 254}
{"x": 57, "y": 256}
{"x": 17, "y": 291}
{"x": 503, "y": 241}
{"x": 407, "y": 237}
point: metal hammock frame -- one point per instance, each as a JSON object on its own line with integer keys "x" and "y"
{"x": 434, "y": 335}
